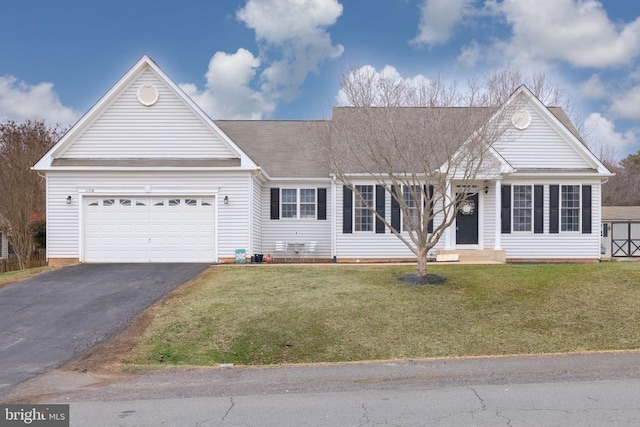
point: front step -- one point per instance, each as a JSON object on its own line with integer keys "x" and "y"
{"x": 472, "y": 256}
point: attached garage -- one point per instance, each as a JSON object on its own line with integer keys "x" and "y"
{"x": 149, "y": 229}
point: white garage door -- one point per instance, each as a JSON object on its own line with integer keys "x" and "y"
{"x": 149, "y": 229}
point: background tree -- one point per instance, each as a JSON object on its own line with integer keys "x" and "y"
{"x": 412, "y": 138}
{"x": 623, "y": 189}
{"x": 22, "y": 192}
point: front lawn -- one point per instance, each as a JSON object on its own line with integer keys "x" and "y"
{"x": 16, "y": 276}
{"x": 293, "y": 314}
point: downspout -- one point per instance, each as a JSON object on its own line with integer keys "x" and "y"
{"x": 498, "y": 226}
{"x": 333, "y": 217}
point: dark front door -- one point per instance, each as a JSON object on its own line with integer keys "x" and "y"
{"x": 467, "y": 221}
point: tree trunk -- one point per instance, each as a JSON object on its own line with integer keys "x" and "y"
{"x": 422, "y": 264}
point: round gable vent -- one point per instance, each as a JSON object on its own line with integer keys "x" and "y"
{"x": 148, "y": 95}
{"x": 521, "y": 119}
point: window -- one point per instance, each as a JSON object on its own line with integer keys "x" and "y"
{"x": 298, "y": 203}
{"x": 125, "y": 202}
{"x": 289, "y": 203}
{"x": 361, "y": 208}
{"x": 570, "y": 208}
{"x": 108, "y": 202}
{"x": 412, "y": 196}
{"x": 522, "y": 207}
{"x": 190, "y": 202}
{"x": 174, "y": 202}
{"x": 307, "y": 203}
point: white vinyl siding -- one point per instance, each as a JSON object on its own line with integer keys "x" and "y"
{"x": 297, "y": 231}
{"x": 256, "y": 217}
{"x": 4, "y": 246}
{"x": 372, "y": 245}
{"x": 562, "y": 245}
{"x": 128, "y": 129}
{"x": 64, "y": 220}
{"x": 541, "y": 145}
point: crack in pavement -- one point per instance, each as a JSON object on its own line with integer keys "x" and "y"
{"x": 364, "y": 420}
{"x": 480, "y": 399}
{"x": 228, "y": 410}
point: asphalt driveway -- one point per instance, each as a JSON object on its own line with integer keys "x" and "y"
{"x": 54, "y": 317}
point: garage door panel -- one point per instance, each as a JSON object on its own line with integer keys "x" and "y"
{"x": 149, "y": 229}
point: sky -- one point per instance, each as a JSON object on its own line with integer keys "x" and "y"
{"x": 283, "y": 59}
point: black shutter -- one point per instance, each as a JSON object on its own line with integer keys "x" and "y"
{"x": 586, "y": 209}
{"x": 505, "y": 211}
{"x": 395, "y": 209}
{"x": 429, "y": 193}
{"x": 275, "y": 203}
{"x": 380, "y": 199}
{"x": 554, "y": 209}
{"x": 322, "y": 203}
{"x": 538, "y": 208}
{"x": 347, "y": 210}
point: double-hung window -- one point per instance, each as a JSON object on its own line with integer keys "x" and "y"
{"x": 412, "y": 196}
{"x": 522, "y": 207}
{"x": 298, "y": 203}
{"x": 570, "y": 208}
{"x": 289, "y": 200}
{"x": 362, "y": 208}
{"x": 308, "y": 203}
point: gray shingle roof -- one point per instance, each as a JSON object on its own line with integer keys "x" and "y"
{"x": 289, "y": 148}
{"x": 621, "y": 213}
{"x": 283, "y": 148}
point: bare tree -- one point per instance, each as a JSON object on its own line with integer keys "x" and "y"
{"x": 623, "y": 189}
{"x": 22, "y": 193}
{"x": 425, "y": 143}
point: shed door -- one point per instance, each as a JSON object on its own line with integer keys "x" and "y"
{"x": 625, "y": 239}
{"x": 149, "y": 229}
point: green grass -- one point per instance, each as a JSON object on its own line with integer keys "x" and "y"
{"x": 16, "y": 276}
{"x": 269, "y": 315}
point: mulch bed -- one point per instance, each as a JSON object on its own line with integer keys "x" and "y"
{"x": 428, "y": 279}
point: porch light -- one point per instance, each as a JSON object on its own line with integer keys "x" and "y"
{"x": 68, "y": 200}
{"x": 226, "y": 200}
{"x": 486, "y": 189}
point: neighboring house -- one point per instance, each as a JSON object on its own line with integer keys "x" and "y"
{"x": 4, "y": 245}
{"x": 147, "y": 176}
{"x": 620, "y": 232}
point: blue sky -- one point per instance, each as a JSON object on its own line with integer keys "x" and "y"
{"x": 282, "y": 59}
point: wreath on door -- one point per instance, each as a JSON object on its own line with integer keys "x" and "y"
{"x": 466, "y": 207}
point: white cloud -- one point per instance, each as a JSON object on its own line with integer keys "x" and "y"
{"x": 368, "y": 81}
{"x": 471, "y": 54}
{"x": 20, "y": 101}
{"x": 594, "y": 88}
{"x": 294, "y": 31}
{"x": 293, "y": 40}
{"x": 627, "y": 104}
{"x": 602, "y": 135}
{"x": 227, "y": 94}
{"x": 437, "y": 20}
{"x": 576, "y": 31}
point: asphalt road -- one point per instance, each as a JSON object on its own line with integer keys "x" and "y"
{"x": 592, "y": 389}
{"x": 58, "y": 315}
